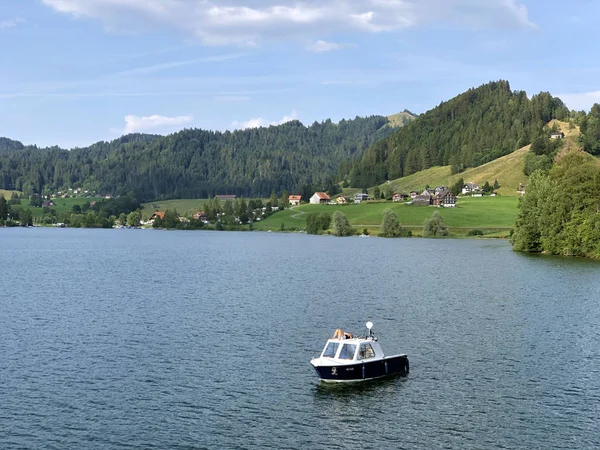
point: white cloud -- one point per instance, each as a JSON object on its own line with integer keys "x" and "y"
{"x": 11, "y": 23}
{"x": 582, "y": 101}
{"x": 324, "y": 46}
{"x": 247, "y": 22}
{"x": 261, "y": 122}
{"x": 136, "y": 124}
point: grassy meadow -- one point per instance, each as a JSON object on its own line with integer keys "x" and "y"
{"x": 8, "y": 194}
{"x": 183, "y": 206}
{"x": 508, "y": 170}
{"x": 62, "y": 205}
{"x": 493, "y": 215}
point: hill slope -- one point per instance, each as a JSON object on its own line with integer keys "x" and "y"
{"x": 508, "y": 170}
{"x": 471, "y": 129}
{"x": 402, "y": 118}
{"x": 197, "y": 163}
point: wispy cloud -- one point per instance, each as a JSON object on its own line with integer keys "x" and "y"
{"x": 11, "y": 23}
{"x": 324, "y": 46}
{"x": 136, "y": 124}
{"x": 261, "y": 122}
{"x": 243, "y": 22}
{"x": 175, "y": 64}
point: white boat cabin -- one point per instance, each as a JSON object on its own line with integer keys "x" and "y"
{"x": 350, "y": 351}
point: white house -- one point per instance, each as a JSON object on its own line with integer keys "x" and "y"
{"x": 557, "y": 135}
{"x": 470, "y": 188}
{"x": 361, "y": 198}
{"x": 319, "y": 198}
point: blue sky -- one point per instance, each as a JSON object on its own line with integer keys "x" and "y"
{"x": 80, "y": 71}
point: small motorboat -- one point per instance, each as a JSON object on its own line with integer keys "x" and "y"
{"x": 348, "y": 358}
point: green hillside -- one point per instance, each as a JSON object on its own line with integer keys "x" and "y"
{"x": 473, "y": 128}
{"x": 508, "y": 170}
{"x": 402, "y": 118}
{"x": 8, "y": 194}
{"x": 196, "y": 163}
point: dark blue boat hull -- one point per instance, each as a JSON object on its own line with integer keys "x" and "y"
{"x": 394, "y": 365}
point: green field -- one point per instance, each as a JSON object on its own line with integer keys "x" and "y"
{"x": 8, "y": 194}
{"x": 62, "y": 205}
{"x": 490, "y": 214}
{"x": 183, "y": 207}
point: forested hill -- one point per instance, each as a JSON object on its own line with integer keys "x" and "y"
{"x": 197, "y": 163}
{"x": 473, "y": 128}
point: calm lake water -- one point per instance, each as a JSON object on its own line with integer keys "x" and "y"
{"x": 187, "y": 340}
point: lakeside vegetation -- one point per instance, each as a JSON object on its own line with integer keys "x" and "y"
{"x": 560, "y": 214}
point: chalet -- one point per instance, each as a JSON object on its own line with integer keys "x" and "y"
{"x": 48, "y": 204}
{"x": 413, "y": 194}
{"x": 439, "y": 189}
{"x": 445, "y": 199}
{"x": 521, "y": 190}
{"x": 342, "y": 200}
{"x": 157, "y": 215}
{"x": 557, "y": 135}
{"x": 361, "y": 198}
{"x": 319, "y": 198}
{"x": 424, "y": 199}
{"x": 201, "y": 216}
{"x": 396, "y": 197}
{"x": 225, "y": 198}
{"x": 470, "y": 188}
{"x": 295, "y": 200}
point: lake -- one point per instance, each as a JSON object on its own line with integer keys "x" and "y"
{"x": 115, "y": 339}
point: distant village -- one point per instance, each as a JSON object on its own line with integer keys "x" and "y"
{"x": 440, "y": 197}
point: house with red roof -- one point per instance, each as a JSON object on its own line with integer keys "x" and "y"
{"x": 295, "y": 200}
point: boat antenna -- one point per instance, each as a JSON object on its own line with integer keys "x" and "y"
{"x": 369, "y": 326}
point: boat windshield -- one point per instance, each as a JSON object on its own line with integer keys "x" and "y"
{"x": 366, "y": 351}
{"x": 330, "y": 350}
{"x": 348, "y": 351}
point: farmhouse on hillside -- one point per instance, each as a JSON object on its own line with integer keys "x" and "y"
{"x": 425, "y": 199}
{"x": 470, "y": 188}
{"x": 445, "y": 199}
{"x": 319, "y": 198}
{"x": 361, "y": 198}
{"x": 294, "y": 200}
{"x": 557, "y": 135}
{"x": 521, "y": 190}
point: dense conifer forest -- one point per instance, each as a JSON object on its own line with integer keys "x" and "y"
{"x": 196, "y": 163}
{"x": 471, "y": 129}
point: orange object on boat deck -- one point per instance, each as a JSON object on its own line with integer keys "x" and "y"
{"x": 339, "y": 334}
